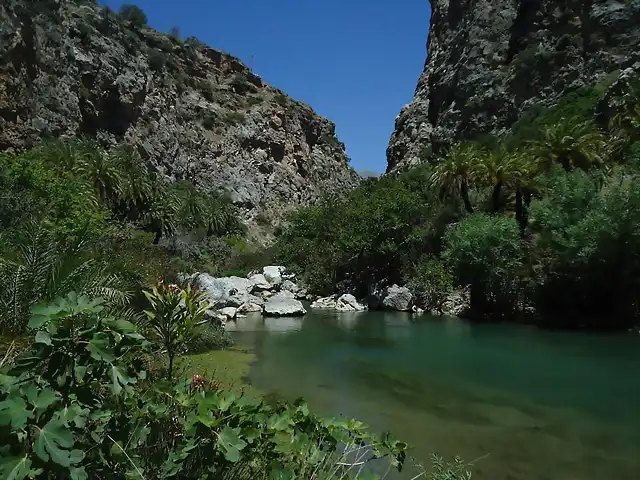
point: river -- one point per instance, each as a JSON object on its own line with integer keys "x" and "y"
{"x": 524, "y": 403}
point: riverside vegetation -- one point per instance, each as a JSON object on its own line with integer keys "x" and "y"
{"x": 88, "y": 381}
{"x": 536, "y": 224}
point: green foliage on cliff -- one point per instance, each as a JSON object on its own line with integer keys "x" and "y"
{"x": 543, "y": 218}
{"x": 75, "y": 216}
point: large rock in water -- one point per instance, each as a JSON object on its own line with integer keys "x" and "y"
{"x": 72, "y": 67}
{"x": 343, "y": 303}
{"x": 284, "y": 304}
{"x": 490, "y": 60}
{"x": 391, "y": 298}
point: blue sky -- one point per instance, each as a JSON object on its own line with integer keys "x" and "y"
{"x": 355, "y": 62}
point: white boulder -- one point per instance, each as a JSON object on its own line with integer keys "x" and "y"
{"x": 273, "y": 274}
{"x": 284, "y": 304}
{"x": 229, "y": 312}
{"x": 260, "y": 283}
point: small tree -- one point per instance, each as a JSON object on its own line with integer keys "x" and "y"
{"x": 431, "y": 284}
{"x": 174, "y": 314}
{"x": 484, "y": 251}
{"x": 133, "y": 14}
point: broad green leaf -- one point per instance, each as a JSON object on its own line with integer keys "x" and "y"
{"x": 15, "y": 468}
{"x": 280, "y": 422}
{"x": 43, "y": 337}
{"x": 78, "y": 473}
{"x": 282, "y": 473}
{"x": 120, "y": 379}
{"x": 54, "y": 441}
{"x": 230, "y": 443}
{"x": 98, "y": 347}
{"x": 73, "y": 413}
{"x": 226, "y": 401}
{"x": 14, "y": 412}
{"x": 123, "y": 326}
{"x": 41, "y": 398}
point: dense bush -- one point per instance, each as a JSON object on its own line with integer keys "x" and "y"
{"x": 79, "y": 406}
{"x": 133, "y": 14}
{"x": 587, "y": 236}
{"x": 484, "y": 252}
{"x": 371, "y": 234}
{"x": 431, "y": 283}
{"x": 539, "y": 221}
{"x": 68, "y": 207}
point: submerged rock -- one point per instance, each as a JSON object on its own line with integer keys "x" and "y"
{"x": 229, "y": 312}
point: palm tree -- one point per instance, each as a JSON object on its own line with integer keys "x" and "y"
{"x": 137, "y": 180}
{"x": 520, "y": 173}
{"x": 66, "y": 156}
{"x": 161, "y": 215}
{"x": 490, "y": 170}
{"x": 104, "y": 173}
{"x": 192, "y": 204}
{"x": 457, "y": 169}
{"x": 220, "y": 215}
{"x": 34, "y": 267}
{"x": 572, "y": 145}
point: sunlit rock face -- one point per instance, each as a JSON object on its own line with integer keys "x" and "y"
{"x": 489, "y": 61}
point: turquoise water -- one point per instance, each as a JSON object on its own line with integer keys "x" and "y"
{"x": 524, "y": 403}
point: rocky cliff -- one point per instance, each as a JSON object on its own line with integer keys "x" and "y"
{"x": 70, "y": 67}
{"x": 489, "y": 61}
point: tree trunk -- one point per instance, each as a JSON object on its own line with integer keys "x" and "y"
{"x": 156, "y": 240}
{"x": 464, "y": 193}
{"x": 523, "y": 201}
{"x": 495, "y": 196}
{"x": 170, "y": 370}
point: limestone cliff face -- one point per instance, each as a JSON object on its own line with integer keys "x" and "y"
{"x": 488, "y": 61}
{"x": 70, "y": 67}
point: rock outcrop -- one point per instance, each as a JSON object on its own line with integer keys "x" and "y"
{"x": 71, "y": 67}
{"x": 392, "y": 297}
{"x": 489, "y": 61}
{"x": 342, "y": 303}
{"x": 231, "y": 296}
{"x": 284, "y": 304}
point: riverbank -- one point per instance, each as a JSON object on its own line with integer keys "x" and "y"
{"x": 229, "y": 368}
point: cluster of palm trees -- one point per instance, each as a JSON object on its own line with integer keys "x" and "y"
{"x": 571, "y": 144}
{"x": 123, "y": 182}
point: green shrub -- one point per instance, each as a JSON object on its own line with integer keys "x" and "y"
{"x": 281, "y": 99}
{"x": 234, "y": 118}
{"x": 133, "y": 14}
{"x": 78, "y": 406}
{"x": 157, "y": 60}
{"x": 484, "y": 252}
{"x": 254, "y": 100}
{"x": 431, "y": 283}
{"x": 208, "y": 337}
{"x": 586, "y": 236}
{"x": 209, "y": 121}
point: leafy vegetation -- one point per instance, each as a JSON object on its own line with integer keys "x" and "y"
{"x": 92, "y": 370}
{"x": 133, "y": 14}
{"x": 534, "y": 224}
{"x": 77, "y": 405}
{"x": 68, "y": 207}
